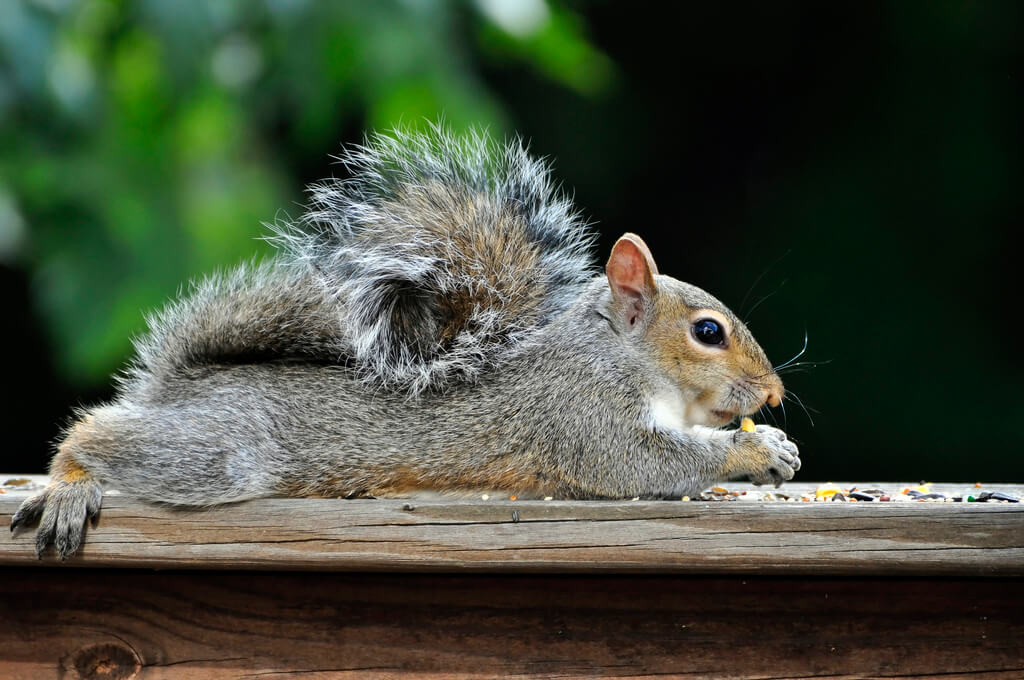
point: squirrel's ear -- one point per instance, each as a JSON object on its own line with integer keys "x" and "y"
{"x": 631, "y": 272}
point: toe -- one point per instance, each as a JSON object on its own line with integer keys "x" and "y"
{"x": 70, "y": 526}
{"x": 782, "y": 474}
{"x": 92, "y": 505}
{"x": 29, "y": 512}
{"x": 773, "y": 432}
{"x": 46, "y": 531}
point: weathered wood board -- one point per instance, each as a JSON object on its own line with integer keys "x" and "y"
{"x": 88, "y": 623}
{"x": 857, "y": 539}
{"x": 570, "y": 589}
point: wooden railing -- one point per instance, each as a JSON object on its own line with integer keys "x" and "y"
{"x": 526, "y": 588}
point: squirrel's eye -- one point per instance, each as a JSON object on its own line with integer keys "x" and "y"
{"x": 709, "y": 332}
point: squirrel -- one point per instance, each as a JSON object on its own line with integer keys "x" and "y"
{"x": 434, "y": 323}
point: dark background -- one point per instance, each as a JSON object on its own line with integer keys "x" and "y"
{"x": 846, "y": 170}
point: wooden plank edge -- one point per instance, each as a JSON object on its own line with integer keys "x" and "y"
{"x": 909, "y": 539}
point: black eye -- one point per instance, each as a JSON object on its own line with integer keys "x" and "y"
{"x": 709, "y": 332}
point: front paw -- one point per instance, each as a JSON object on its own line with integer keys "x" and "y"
{"x": 62, "y": 509}
{"x": 766, "y": 456}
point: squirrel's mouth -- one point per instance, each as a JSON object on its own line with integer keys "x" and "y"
{"x": 723, "y": 416}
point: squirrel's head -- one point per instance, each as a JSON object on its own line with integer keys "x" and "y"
{"x": 695, "y": 340}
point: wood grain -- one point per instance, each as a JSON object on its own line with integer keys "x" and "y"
{"x": 862, "y": 539}
{"x": 167, "y": 625}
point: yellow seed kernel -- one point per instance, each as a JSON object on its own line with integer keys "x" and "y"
{"x": 747, "y": 425}
{"x": 826, "y": 490}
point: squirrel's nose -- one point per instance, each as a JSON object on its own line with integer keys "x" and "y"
{"x": 774, "y": 395}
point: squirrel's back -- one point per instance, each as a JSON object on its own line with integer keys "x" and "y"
{"x": 430, "y": 264}
{"x": 442, "y": 261}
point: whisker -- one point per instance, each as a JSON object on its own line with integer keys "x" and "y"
{"x": 798, "y": 354}
{"x": 811, "y": 364}
{"x": 792, "y": 370}
{"x": 800, "y": 402}
{"x": 758, "y": 280}
{"x": 800, "y": 368}
{"x": 797, "y": 399}
{"x": 758, "y": 304}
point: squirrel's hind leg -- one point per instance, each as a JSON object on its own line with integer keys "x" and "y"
{"x": 72, "y": 498}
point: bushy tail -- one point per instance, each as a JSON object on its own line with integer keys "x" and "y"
{"x": 446, "y": 253}
{"x": 254, "y": 313}
{"x": 437, "y": 259}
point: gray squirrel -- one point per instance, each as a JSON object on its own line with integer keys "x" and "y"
{"x": 434, "y": 323}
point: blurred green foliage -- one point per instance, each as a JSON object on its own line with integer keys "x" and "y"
{"x": 143, "y": 142}
{"x": 846, "y": 168}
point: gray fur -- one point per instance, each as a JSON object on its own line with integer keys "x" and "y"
{"x": 255, "y": 312}
{"x": 62, "y": 512}
{"x": 433, "y": 323}
{"x": 444, "y": 252}
{"x": 437, "y": 256}
{"x": 237, "y": 432}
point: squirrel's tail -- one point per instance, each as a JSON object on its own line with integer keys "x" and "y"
{"x": 253, "y": 313}
{"x": 435, "y": 261}
{"x": 445, "y": 253}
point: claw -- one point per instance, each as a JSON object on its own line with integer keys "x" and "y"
{"x": 62, "y": 510}
{"x": 29, "y": 511}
